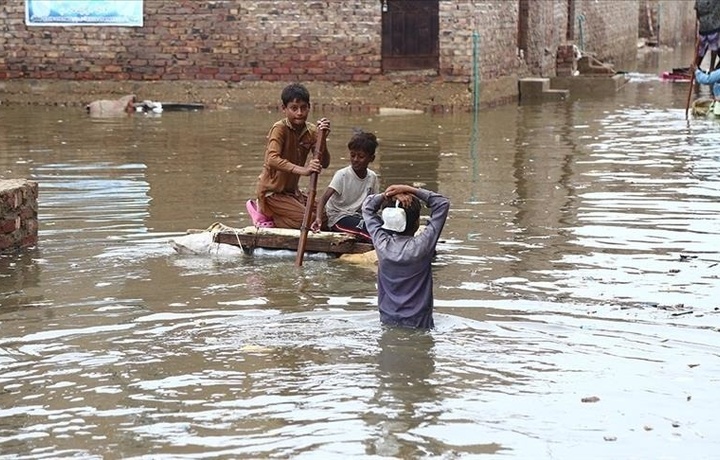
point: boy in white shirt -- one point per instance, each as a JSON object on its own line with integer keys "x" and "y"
{"x": 342, "y": 201}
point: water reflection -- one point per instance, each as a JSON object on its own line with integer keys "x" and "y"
{"x": 20, "y": 280}
{"x": 579, "y": 260}
{"x": 405, "y": 393}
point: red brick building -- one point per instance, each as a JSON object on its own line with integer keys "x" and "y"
{"x": 460, "y": 41}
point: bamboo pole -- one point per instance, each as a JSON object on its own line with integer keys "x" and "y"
{"x": 695, "y": 63}
{"x": 310, "y": 204}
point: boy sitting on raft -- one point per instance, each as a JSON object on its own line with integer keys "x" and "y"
{"x": 342, "y": 201}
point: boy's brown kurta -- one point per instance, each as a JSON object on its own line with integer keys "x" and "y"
{"x": 278, "y": 193}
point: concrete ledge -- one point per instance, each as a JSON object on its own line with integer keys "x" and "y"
{"x": 555, "y": 95}
{"x": 442, "y": 95}
{"x": 531, "y": 90}
{"x": 590, "y": 85}
{"x": 537, "y": 91}
{"x": 533, "y": 84}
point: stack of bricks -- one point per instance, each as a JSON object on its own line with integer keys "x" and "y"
{"x": 566, "y": 64}
{"x": 18, "y": 214}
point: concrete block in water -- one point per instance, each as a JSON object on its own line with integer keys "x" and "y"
{"x": 18, "y": 214}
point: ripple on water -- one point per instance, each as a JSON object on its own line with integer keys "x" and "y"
{"x": 564, "y": 218}
{"x": 257, "y": 382}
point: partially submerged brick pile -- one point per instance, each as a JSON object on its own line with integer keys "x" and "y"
{"x": 18, "y": 214}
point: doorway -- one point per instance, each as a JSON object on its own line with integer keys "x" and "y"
{"x": 410, "y": 34}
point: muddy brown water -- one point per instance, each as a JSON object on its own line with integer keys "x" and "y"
{"x": 577, "y": 292}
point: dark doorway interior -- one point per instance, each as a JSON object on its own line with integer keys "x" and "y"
{"x": 410, "y": 31}
{"x": 523, "y": 26}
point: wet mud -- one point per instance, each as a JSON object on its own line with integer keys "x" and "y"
{"x": 437, "y": 97}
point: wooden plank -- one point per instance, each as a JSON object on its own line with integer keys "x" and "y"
{"x": 182, "y": 106}
{"x": 250, "y": 238}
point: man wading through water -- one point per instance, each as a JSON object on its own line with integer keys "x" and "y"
{"x": 405, "y": 284}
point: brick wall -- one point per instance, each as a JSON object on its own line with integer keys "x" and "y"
{"x": 18, "y": 214}
{"x": 670, "y": 22}
{"x": 203, "y": 40}
{"x": 311, "y": 40}
{"x": 610, "y": 28}
{"x": 647, "y": 19}
{"x": 676, "y": 22}
{"x": 494, "y": 23}
{"x": 548, "y": 30}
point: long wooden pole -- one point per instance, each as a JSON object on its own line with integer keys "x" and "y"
{"x": 310, "y": 204}
{"x": 695, "y": 62}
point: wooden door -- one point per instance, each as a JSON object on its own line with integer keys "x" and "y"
{"x": 410, "y": 31}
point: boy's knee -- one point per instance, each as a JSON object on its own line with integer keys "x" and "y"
{"x": 287, "y": 222}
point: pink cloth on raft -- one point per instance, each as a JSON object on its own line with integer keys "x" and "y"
{"x": 259, "y": 219}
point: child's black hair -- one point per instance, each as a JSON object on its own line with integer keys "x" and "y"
{"x": 364, "y": 142}
{"x": 295, "y": 91}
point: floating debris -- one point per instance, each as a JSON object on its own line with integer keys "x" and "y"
{"x": 681, "y": 313}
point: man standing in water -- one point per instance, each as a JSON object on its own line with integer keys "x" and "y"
{"x": 405, "y": 284}
{"x": 711, "y": 79}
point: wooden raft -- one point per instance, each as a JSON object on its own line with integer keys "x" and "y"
{"x": 249, "y": 238}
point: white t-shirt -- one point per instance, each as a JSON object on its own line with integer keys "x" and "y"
{"x": 350, "y": 192}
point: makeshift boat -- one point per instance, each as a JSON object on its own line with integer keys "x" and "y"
{"x": 678, "y": 75}
{"x": 249, "y": 239}
{"x": 221, "y": 239}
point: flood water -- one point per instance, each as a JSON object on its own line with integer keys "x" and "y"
{"x": 577, "y": 291}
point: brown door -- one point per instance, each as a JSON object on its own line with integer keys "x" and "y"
{"x": 410, "y": 35}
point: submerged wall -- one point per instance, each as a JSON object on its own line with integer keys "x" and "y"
{"x": 18, "y": 214}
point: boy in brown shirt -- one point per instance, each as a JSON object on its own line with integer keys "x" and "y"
{"x": 289, "y": 142}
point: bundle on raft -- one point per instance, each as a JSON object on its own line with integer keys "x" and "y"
{"x": 706, "y": 107}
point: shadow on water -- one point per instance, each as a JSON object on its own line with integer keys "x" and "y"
{"x": 576, "y": 291}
